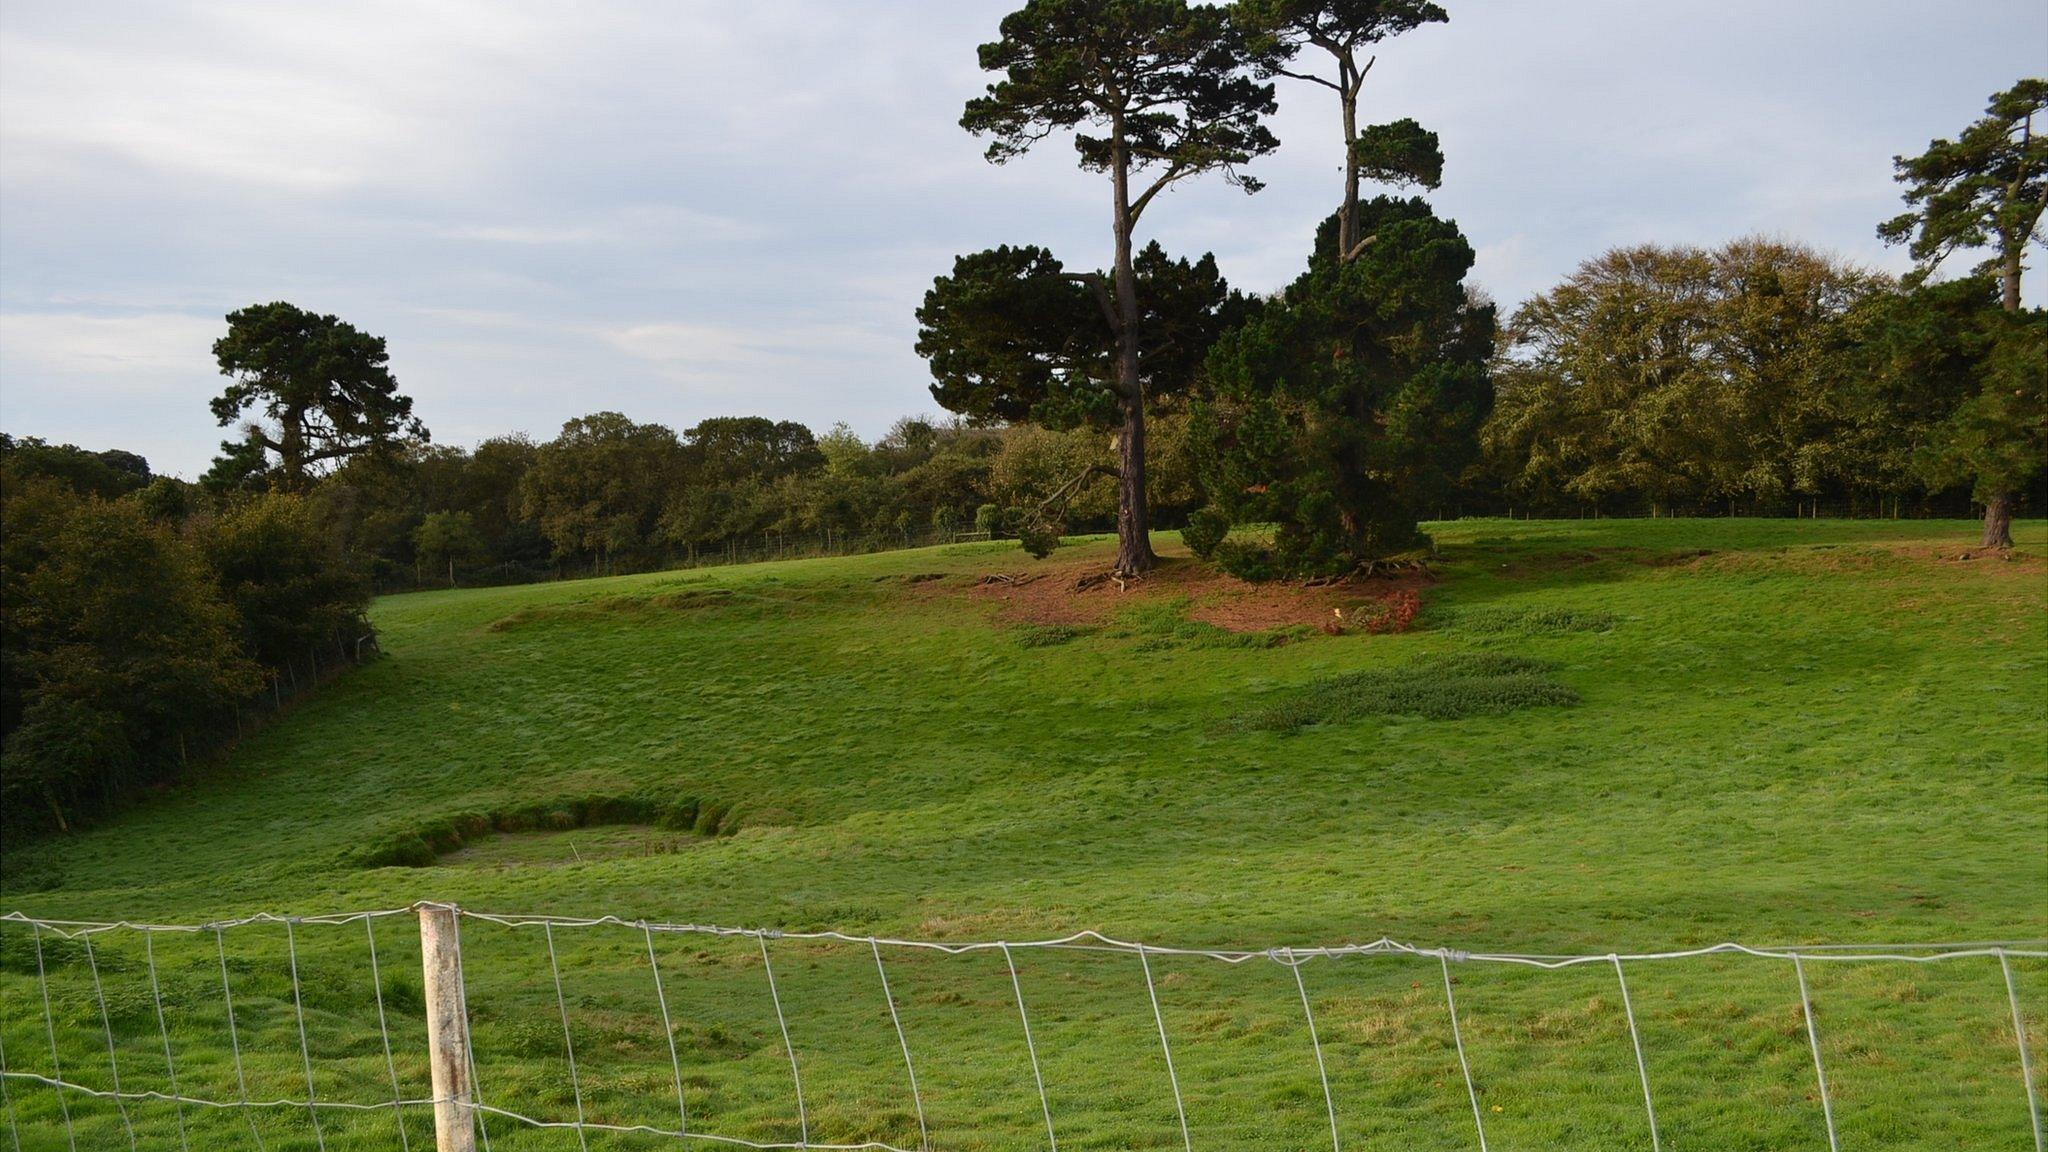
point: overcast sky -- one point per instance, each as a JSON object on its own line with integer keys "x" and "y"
{"x": 685, "y": 209}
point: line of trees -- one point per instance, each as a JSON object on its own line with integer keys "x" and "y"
{"x": 138, "y": 625}
{"x": 611, "y": 494}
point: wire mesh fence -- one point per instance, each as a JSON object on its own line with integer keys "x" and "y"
{"x": 320, "y": 1033}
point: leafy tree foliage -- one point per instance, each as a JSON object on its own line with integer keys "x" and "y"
{"x": 599, "y": 487}
{"x": 282, "y": 571}
{"x": 449, "y": 538}
{"x": 323, "y": 389}
{"x": 1351, "y": 403}
{"x": 1155, "y": 91}
{"x": 1682, "y": 376}
{"x": 726, "y": 448}
{"x": 1997, "y": 438}
{"x": 116, "y": 646}
{"x": 1950, "y": 390}
{"x": 105, "y": 474}
{"x": 242, "y": 466}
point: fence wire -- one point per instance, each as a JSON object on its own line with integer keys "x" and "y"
{"x": 578, "y": 1121}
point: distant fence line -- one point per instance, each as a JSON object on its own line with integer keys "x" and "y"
{"x": 463, "y": 1114}
{"x": 754, "y": 549}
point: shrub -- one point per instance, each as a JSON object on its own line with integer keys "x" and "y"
{"x": 1394, "y": 613}
{"x": 420, "y": 846}
{"x": 989, "y": 518}
{"x": 1247, "y": 560}
{"x": 1205, "y": 530}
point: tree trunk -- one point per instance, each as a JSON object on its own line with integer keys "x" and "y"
{"x": 1347, "y": 215}
{"x": 291, "y": 447}
{"x": 2009, "y": 280}
{"x": 1998, "y": 521}
{"x": 1133, "y": 537}
{"x": 1133, "y": 522}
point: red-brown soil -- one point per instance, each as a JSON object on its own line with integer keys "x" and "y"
{"x": 1080, "y": 592}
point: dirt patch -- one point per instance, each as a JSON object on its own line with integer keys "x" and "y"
{"x": 1883, "y": 557}
{"x": 1080, "y": 594}
{"x": 1995, "y": 559}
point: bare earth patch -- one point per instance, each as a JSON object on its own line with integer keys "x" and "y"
{"x": 1900, "y": 557}
{"x": 1076, "y": 592}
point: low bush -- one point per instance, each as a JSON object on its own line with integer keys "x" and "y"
{"x": 1249, "y": 560}
{"x": 1205, "y": 530}
{"x": 1038, "y": 538}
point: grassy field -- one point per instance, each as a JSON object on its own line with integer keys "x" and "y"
{"x": 1598, "y": 736}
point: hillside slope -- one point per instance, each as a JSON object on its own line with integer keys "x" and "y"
{"x": 1784, "y": 732}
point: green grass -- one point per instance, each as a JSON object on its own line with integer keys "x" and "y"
{"x": 1450, "y": 687}
{"x": 1815, "y": 731}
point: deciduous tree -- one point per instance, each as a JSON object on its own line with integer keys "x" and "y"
{"x": 115, "y": 644}
{"x": 1681, "y": 375}
{"x": 599, "y": 488}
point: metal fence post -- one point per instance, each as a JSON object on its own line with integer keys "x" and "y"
{"x": 447, "y": 1030}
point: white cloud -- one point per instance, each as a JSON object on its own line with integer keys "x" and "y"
{"x": 700, "y": 351}
{"x": 135, "y": 351}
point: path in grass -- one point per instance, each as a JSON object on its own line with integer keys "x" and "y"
{"x": 1814, "y": 731}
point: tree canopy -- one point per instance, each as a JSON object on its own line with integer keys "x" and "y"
{"x": 1348, "y": 407}
{"x": 1682, "y": 374}
{"x": 324, "y": 390}
{"x": 1987, "y": 188}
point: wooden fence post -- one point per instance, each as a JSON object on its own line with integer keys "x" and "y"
{"x": 447, "y": 1030}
